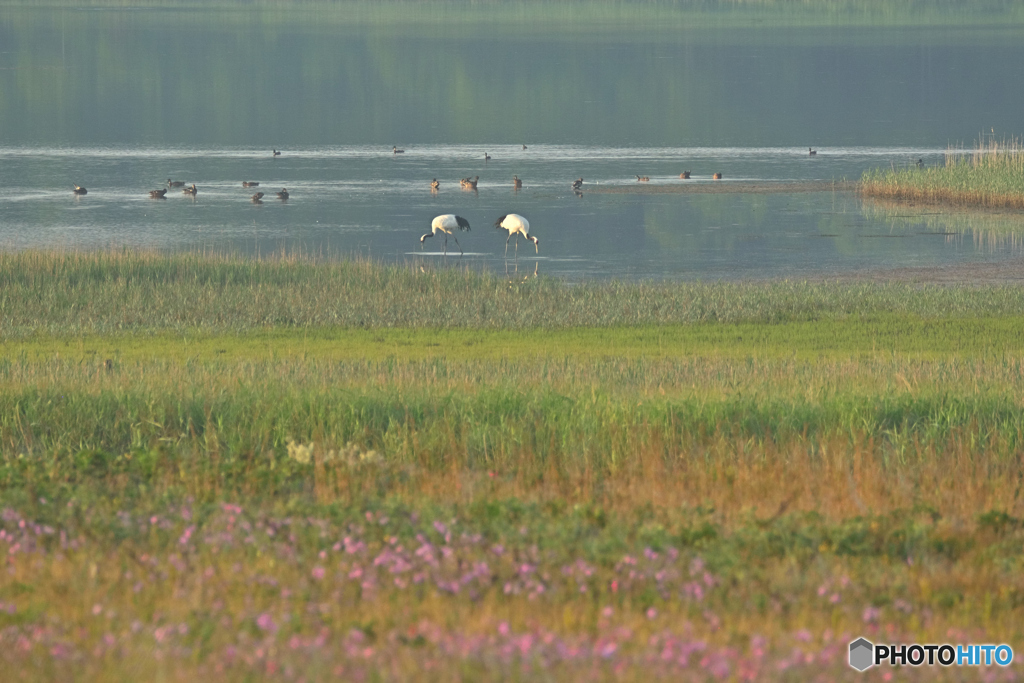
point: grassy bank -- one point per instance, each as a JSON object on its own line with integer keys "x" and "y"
{"x": 77, "y": 294}
{"x": 480, "y": 482}
{"x": 991, "y": 176}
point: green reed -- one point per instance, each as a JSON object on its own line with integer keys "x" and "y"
{"x": 991, "y": 175}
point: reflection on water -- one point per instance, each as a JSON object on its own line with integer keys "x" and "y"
{"x": 993, "y": 232}
{"x": 514, "y": 273}
{"x": 629, "y": 74}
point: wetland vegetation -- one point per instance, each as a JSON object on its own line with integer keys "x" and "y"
{"x": 990, "y": 176}
{"x": 290, "y": 466}
{"x": 302, "y": 467}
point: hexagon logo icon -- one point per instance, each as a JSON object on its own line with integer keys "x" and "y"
{"x": 861, "y": 654}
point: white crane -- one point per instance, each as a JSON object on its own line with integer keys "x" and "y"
{"x": 446, "y": 224}
{"x": 516, "y": 225}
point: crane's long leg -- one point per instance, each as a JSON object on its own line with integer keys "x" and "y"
{"x": 459, "y": 245}
{"x": 506, "y": 244}
{"x": 446, "y": 245}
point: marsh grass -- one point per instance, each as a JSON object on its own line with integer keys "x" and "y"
{"x": 72, "y": 294}
{"x": 616, "y": 431}
{"x": 232, "y": 496}
{"x": 991, "y": 176}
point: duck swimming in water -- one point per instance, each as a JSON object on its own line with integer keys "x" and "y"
{"x": 283, "y": 194}
{"x": 79, "y": 190}
{"x": 158, "y": 194}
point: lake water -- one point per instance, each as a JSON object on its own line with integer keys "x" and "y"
{"x": 119, "y": 100}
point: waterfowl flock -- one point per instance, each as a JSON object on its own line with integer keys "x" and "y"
{"x": 447, "y": 224}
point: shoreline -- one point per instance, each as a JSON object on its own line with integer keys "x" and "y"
{"x": 979, "y": 274}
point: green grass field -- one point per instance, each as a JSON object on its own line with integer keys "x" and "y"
{"x": 300, "y": 469}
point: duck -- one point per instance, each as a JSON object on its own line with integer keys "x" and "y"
{"x": 811, "y": 152}
{"x": 395, "y": 150}
{"x": 283, "y": 194}
{"x": 79, "y": 190}
{"x": 158, "y": 194}
{"x": 716, "y": 176}
{"x": 685, "y": 175}
{"x": 920, "y": 163}
{"x": 175, "y": 183}
{"x": 524, "y": 147}
{"x": 276, "y": 153}
{"x": 487, "y": 157}
{"x": 577, "y": 184}
{"x": 250, "y": 183}
{"x": 255, "y": 199}
{"x": 470, "y": 183}
{"x": 434, "y": 185}
{"x": 190, "y": 190}
{"x": 643, "y": 179}
{"x": 517, "y": 183}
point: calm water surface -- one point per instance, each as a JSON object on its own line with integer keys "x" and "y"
{"x": 120, "y": 100}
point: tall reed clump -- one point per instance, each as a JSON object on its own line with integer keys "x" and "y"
{"x": 991, "y": 176}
